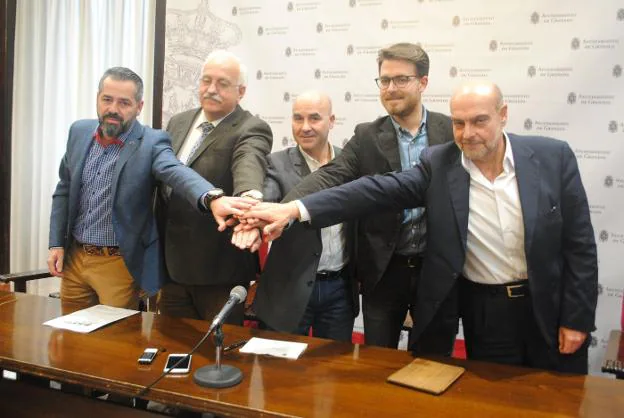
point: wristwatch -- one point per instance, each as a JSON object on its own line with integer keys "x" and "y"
{"x": 213, "y": 194}
{"x": 254, "y": 194}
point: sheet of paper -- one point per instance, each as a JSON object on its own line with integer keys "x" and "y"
{"x": 90, "y": 319}
{"x": 277, "y": 348}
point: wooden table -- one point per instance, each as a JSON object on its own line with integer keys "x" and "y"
{"x": 331, "y": 379}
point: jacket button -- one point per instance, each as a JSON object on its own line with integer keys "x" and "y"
{"x": 317, "y": 254}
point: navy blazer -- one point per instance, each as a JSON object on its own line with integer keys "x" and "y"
{"x": 145, "y": 158}
{"x": 559, "y": 239}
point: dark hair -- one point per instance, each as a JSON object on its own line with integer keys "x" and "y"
{"x": 407, "y": 52}
{"x": 123, "y": 74}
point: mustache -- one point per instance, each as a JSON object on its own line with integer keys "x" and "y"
{"x": 213, "y": 97}
{"x": 112, "y": 115}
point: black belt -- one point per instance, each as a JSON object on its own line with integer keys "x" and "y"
{"x": 517, "y": 289}
{"x": 411, "y": 261}
{"x": 329, "y": 275}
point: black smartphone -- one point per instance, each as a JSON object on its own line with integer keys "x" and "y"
{"x": 148, "y": 356}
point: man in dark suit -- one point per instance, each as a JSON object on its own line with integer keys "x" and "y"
{"x": 390, "y": 246}
{"x": 306, "y": 282}
{"x": 227, "y": 146}
{"x": 510, "y": 234}
{"x": 103, "y": 237}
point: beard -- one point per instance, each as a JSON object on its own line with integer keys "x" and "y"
{"x": 113, "y": 130}
{"x": 401, "y": 107}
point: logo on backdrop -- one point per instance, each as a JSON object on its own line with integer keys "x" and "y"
{"x": 285, "y": 141}
{"x": 613, "y": 125}
{"x": 453, "y": 72}
{"x": 604, "y": 236}
{"x": 531, "y": 71}
{"x": 617, "y": 70}
{"x": 571, "y": 98}
{"x": 493, "y": 45}
{"x": 260, "y": 30}
{"x": 535, "y": 18}
{"x": 288, "y": 51}
{"x": 593, "y": 342}
{"x": 317, "y": 74}
{"x": 347, "y": 96}
{"x": 259, "y": 75}
{"x": 234, "y": 11}
{"x": 600, "y": 289}
{"x": 608, "y": 181}
{"x": 620, "y": 15}
{"x": 456, "y": 21}
{"x": 289, "y": 7}
{"x": 575, "y": 43}
{"x": 352, "y": 3}
{"x": 286, "y": 97}
{"x": 319, "y": 27}
{"x": 350, "y": 49}
{"x": 528, "y": 124}
{"x": 384, "y": 24}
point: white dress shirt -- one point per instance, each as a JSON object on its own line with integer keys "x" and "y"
{"x": 333, "y": 257}
{"x": 495, "y": 245}
{"x": 194, "y": 135}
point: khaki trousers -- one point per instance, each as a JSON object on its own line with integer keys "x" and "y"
{"x": 98, "y": 279}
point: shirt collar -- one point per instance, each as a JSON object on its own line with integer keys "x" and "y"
{"x": 509, "y": 164}
{"x": 202, "y": 118}
{"x": 421, "y": 128}
{"x": 312, "y": 162}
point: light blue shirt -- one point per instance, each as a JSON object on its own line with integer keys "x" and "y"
{"x": 412, "y": 239}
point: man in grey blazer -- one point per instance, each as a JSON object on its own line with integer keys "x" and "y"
{"x": 103, "y": 236}
{"x": 307, "y": 281}
{"x": 512, "y": 248}
{"x": 227, "y": 146}
{"x": 390, "y": 246}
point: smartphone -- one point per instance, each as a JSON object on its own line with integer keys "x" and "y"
{"x": 183, "y": 367}
{"x": 148, "y": 356}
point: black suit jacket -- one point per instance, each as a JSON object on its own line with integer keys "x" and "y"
{"x": 373, "y": 149}
{"x": 558, "y": 236}
{"x": 233, "y": 158}
{"x": 290, "y": 271}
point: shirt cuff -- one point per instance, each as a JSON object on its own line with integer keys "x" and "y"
{"x": 304, "y": 215}
{"x": 254, "y": 194}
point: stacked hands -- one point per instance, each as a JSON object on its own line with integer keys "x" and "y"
{"x": 253, "y": 221}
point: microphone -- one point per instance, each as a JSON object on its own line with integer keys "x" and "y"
{"x": 237, "y": 295}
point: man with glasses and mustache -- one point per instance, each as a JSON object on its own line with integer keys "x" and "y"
{"x": 390, "y": 245}
{"x": 103, "y": 235}
{"x": 227, "y": 146}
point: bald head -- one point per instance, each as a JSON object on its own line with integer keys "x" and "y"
{"x": 486, "y": 90}
{"x": 479, "y": 116}
{"x": 312, "y": 118}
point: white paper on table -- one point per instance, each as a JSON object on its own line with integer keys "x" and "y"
{"x": 90, "y": 319}
{"x": 277, "y": 348}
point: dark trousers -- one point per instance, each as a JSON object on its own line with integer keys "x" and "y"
{"x": 499, "y": 326}
{"x": 385, "y": 306}
{"x": 329, "y": 312}
{"x": 199, "y": 301}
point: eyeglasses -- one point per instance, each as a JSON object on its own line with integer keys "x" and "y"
{"x": 399, "y": 81}
{"x": 221, "y": 84}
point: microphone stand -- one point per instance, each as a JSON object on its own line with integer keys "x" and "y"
{"x": 218, "y": 375}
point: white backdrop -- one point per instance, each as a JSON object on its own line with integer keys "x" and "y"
{"x": 558, "y": 63}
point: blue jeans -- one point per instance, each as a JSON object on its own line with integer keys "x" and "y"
{"x": 329, "y": 311}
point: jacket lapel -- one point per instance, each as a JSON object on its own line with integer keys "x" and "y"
{"x": 436, "y": 130}
{"x": 459, "y": 186}
{"x": 222, "y": 131}
{"x": 387, "y": 141}
{"x": 527, "y": 175}
{"x": 129, "y": 148}
{"x": 180, "y": 131}
{"x": 298, "y": 162}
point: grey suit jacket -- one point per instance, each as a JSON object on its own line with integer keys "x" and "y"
{"x": 373, "y": 149}
{"x": 287, "y": 281}
{"x": 232, "y": 157}
{"x": 145, "y": 158}
{"x": 558, "y": 236}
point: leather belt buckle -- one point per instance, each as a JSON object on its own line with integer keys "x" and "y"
{"x": 92, "y": 249}
{"x": 512, "y": 294}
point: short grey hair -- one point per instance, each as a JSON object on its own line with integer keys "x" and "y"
{"x": 123, "y": 74}
{"x": 222, "y": 55}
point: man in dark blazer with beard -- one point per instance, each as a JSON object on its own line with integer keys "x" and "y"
{"x": 308, "y": 281}
{"x": 227, "y": 146}
{"x": 510, "y": 238}
{"x": 390, "y": 246}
